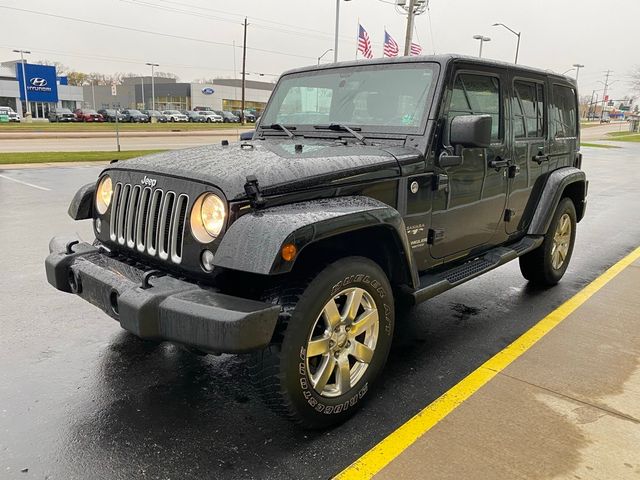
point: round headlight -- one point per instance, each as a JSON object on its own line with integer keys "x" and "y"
{"x": 207, "y": 217}
{"x": 104, "y": 194}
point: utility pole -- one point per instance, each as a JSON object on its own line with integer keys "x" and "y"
{"x": 144, "y": 105}
{"x": 590, "y": 105}
{"x": 244, "y": 67}
{"x": 604, "y": 93}
{"x": 409, "y": 33}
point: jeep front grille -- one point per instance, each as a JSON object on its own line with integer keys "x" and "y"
{"x": 148, "y": 220}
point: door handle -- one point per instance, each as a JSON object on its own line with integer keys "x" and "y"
{"x": 540, "y": 157}
{"x": 499, "y": 163}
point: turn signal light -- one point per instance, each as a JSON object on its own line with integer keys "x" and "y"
{"x": 288, "y": 252}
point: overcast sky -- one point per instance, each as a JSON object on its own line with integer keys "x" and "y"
{"x": 291, "y": 33}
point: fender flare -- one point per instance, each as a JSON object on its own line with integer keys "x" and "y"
{"x": 81, "y": 206}
{"x": 253, "y": 242}
{"x": 551, "y": 194}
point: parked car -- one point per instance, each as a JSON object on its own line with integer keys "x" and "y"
{"x": 605, "y": 118}
{"x": 194, "y": 116}
{"x": 248, "y": 116}
{"x": 87, "y": 115}
{"x": 134, "y": 116}
{"x": 227, "y": 117}
{"x": 8, "y": 111}
{"x": 109, "y": 115}
{"x": 156, "y": 114}
{"x": 211, "y": 116}
{"x": 414, "y": 180}
{"x": 61, "y": 115}
{"x": 175, "y": 116}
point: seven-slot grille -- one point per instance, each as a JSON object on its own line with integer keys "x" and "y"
{"x": 148, "y": 220}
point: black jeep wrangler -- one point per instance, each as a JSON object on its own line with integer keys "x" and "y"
{"x": 365, "y": 185}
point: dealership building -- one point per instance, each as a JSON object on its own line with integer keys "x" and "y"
{"x": 169, "y": 94}
{"x": 44, "y": 89}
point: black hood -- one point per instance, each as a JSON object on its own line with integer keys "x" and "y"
{"x": 277, "y": 166}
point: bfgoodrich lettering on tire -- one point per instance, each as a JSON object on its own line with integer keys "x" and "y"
{"x": 332, "y": 343}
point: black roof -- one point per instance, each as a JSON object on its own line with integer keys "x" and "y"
{"x": 442, "y": 59}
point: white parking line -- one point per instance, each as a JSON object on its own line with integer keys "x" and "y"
{"x": 25, "y": 183}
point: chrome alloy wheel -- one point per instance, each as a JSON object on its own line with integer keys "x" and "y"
{"x": 561, "y": 242}
{"x": 342, "y": 341}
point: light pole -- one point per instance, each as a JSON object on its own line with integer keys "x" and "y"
{"x": 577, "y": 67}
{"x": 482, "y": 39}
{"x": 153, "y": 87}
{"x": 24, "y": 79}
{"x": 320, "y": 57}
{"x": 335, "y": 44}
{"x": 517, "y": 34}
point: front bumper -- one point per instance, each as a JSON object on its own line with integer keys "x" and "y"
{"x": 160, "y": 307}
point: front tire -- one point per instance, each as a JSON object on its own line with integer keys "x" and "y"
{"x": 547, "y": 264}
{"x": 331, "y": 344}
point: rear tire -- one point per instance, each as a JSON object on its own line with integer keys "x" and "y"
{"x": 324, "y": 355}
{"x": 547, "y": 264}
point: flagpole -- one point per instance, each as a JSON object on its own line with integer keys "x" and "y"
{"x": 383, "y": 39}
{"x": 357, "y": 37}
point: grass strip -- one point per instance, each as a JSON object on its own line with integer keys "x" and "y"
{"x": 7, "y": 158}
{"x": 597, "y": 145}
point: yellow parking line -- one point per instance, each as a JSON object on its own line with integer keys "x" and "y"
{"x": 395, "y": 443}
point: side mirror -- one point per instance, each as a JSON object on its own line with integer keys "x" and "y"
{"x": 466, "y": 131}
{"x": 471, "y": 131}
{"x": 247, "y": 135}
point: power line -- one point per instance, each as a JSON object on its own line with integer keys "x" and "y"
{"x": 306, "y": 32}
{"x": 133, "y": 61}
{"x": 149, "y": 32}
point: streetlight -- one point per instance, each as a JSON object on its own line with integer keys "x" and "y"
{"x": 482, "y": 39}
{"x": 517, "y": 34}
{"x": 320, "y": 57}
{"x": 335, "y": 47}
{"x": 578, "y": 67}
{"x": 24, "y": 79}
{"x": 153, "y": 88}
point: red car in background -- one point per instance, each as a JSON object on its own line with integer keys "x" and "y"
{"x": 88, "y": 115}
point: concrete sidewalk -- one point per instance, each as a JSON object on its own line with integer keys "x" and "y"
{"x": 569, "y": 407}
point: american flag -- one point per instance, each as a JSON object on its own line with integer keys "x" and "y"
{"x": 364, "y": 43}
{"x": 415, "y": 49}
{"x": 390, "y": 46}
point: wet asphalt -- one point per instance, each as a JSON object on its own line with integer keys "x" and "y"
{"x": 81, "y": 398}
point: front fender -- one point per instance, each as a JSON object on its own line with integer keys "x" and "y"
{"x": 254, "y": 241}
{"x": 81, "y": 207}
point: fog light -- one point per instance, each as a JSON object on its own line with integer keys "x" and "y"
{"x": 98, "y": 223}
{"x": 206, "y": 259}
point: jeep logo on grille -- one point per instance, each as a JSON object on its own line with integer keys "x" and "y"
{"x": 149, "y": 181}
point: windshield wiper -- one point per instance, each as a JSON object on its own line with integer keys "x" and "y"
{"x": 343, "y": 128}
{"x": 279, "y": 126}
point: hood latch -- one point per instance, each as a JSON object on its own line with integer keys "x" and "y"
{"x": 252, "y": 189}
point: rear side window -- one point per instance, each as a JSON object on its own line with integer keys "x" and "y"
{"x": 563, "y": 112}
{"x": 528, "y": 110}
{"x": 477, "y": 95}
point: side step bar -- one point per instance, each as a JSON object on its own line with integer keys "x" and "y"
{"x": 432, "y": 284}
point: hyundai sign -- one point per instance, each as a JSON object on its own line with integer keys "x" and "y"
{"x": 208, "y": 91}
{"x": 41, "y": 82}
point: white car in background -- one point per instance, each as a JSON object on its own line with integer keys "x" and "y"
{"x": 175, "y": 116}
{"x": 13, "y": 116}
{"x": 211, "y": 116}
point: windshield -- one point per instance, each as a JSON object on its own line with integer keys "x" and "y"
{"x": 172, "y": 112}
{"x": 135, "y": 112}
{"x": 63, "y": 110}
{"x": 395, "y": 95}
{"x": 92, "y": 112}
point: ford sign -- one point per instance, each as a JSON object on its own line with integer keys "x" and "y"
{"x": 208, "y": 90}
